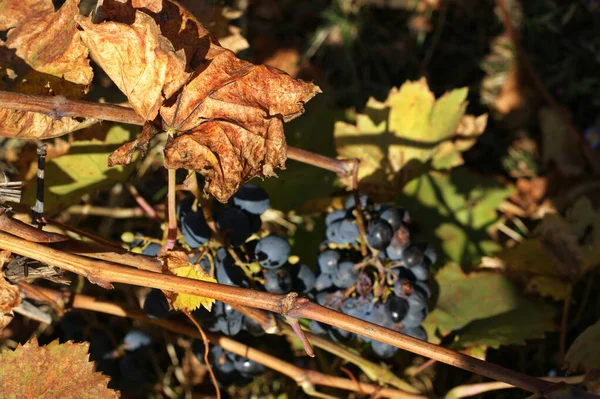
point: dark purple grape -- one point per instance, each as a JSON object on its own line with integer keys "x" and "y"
{"x": 229, "y": 320}
{"x": 194, "y": 228}
{"x": 421, "y": 271}
{"x": 423, "y": 287}
{"x": 397, "y": 307}
{"x": 272, "y": 251}
{"x": 151, "y": 249}
{"x": 333, "y": 232}
{"x": 365, "y": 202}
{"x": 334, "y": 216}
{"x": 364, "y": 284}
{"x": 253, "y": 327}
{"x": 349, "y": 231}
{"x": 323, "y": 282}
{"x": 255, "y": 223}
{"x": 317, "y": 328}
{"x": 393, "y": 217}
{"x": 277, "y": 281}
{"x": 345, "y": 275}
{"x": 379, "y": 234}
{"x": 382, "y": 350}
{"x": 226, "y": 271}
{"x": 414, "y": 318}
{"x": 252, "y": 198}
{"x": 339, "y": 335}
{"x": 328, "y": 260}
{"x": 380, "y": 315}
{"x": 136, "y": 339}
{"x": 248, "y": 368}
{"x": 395, "y": 250}
{"x": 235, "y": 224}
{"x": 303, "y": 278}
{"x": 417, "y": 300}
{"x": 415, "y": 332}
{"x": 356, "y": 307}
{"x": 156, "y": 305}
{"x": 430, "y": 253}
{"x": 412, "y": 256}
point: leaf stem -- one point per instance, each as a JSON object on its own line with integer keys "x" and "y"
{"x": 171, "y": 211}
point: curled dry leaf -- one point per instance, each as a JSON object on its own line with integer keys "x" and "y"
{"x": 48, "y": 41}
{"x": 54, "y": 370}
{"x": 139, "y": 60}
{"x": 227, "y": 121}
{"x": 9, "y": 294}
{"x": 33, "y": 125}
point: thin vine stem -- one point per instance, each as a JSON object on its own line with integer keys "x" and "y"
{"x": 105, "y": 273}
{"x": 301, "y": 376}
{"x": 59, "y": 106}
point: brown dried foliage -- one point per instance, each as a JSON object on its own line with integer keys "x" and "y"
{"x": 225, "y": 115}
{"x": 52, "y": 371}
{"x": 47, "y": 40}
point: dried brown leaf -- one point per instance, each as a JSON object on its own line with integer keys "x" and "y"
{"x": 14, "y": 12}
{"x": 9, "y": 299}
{"x": 33, "y": 125}
{"x": 52, "y": 371}
{"x": 49, "y": 41}
{"x": 227, "y": 119}
{"x": 124, "y": 154}
{"x": 139, "y": 60}
{"x": 228, "y": 154}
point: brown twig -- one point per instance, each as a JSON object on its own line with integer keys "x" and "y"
{"x": 59, "y": 106}
{"x": 141, "y": 201}
{"x": 105, "y": 273}
{"x": 171, "y": 212}
{"x": 305, "y": 378}
{"x": 108, "y": 212}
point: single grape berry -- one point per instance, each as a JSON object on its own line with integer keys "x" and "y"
{"x": 272, "y": 251}
{"x": 303, "y": 278}
{"x": 194, "y": 228}
{"x": 382, "y": 350}
{"x": 334, "y": 216}
{"x": 415, "y": 332}
{"x": 397, "y": 307}
{"x": 379, "y": 234}
{"x": 345, "y": 275}
{"x": 323, "y": 282}
{"x": 151, "y": 249}
{"x": 393, "y": 217}
{"x": 156, "y": 305}
{"x": 235, "y": 224}
{"x": 136, "y": 339}
{"x": 252, "y": 198}
{"x": 226, "y": 271}
{"x": 328, "y": 260}
{"x": 412, "y": 256}
{"x": 365, "y": 202}
{"x": 277, "y": 281}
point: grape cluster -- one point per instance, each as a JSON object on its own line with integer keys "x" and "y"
{"x": 251, "y": 260}
{"x": 388, "y": 287}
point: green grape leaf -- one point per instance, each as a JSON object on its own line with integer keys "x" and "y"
{"x": 409, "y": 126}
{"x": 84, "y": 169}
{"x": 54, "y": 370}
{"x": 484, "y": 309}
{"x": 458, "y": 209}
{"x": 560, "y": 252}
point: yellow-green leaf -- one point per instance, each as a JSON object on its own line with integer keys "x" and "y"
{"x": 410, "y": 126}
{"x": 84, "y": 169}
{"x": 187, "y": 302}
